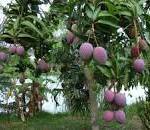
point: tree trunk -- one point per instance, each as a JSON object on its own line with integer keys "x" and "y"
{"x": 24, "y": 101}
{"x": 92, "y": 98}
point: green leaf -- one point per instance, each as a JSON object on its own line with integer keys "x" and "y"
{"x": 109, "y": 23}
{"x": 107, "y": 14}
{"x": 91, "y": 7}
{"x": 16, "y": 24}
{"x": 111, "y": 7}
{"x": 105, "y": 71}
{"x": 24, "y": 35}
{"x": 89, "y": 13}
{"x": 96, "y": 14}
{"x": 31, "y": 26}
{"x": 108, "y": 63}
{"x": 92, "y": 12}
{"x": 44, "y": 27}
{"x": 3, "y": 36}
{"x": 125, "y": 13}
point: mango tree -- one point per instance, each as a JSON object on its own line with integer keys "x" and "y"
{"x": 96, "y": 55}
{"x": 23, "y": 30}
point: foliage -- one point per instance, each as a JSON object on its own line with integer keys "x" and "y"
{"x": 143, "y": 112}
{"x": 91, "y": 21}
{"x": 98, "y": 22}
{"x": 23, "y": 27}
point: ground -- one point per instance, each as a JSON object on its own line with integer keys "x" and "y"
{"x": 65, "y": 121}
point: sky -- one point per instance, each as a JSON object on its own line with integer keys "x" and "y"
{"x": 4, "y": 3}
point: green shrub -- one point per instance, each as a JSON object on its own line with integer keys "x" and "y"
{"x": 143, "y": 109}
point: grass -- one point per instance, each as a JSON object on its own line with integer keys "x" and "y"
{"x": 65, "y": 121}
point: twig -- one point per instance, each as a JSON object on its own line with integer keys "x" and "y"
{"x": 93, "y": 30}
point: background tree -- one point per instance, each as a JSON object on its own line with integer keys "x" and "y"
{"x": 23, "y": 28}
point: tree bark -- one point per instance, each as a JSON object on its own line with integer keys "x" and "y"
{"x": 24, "y": 101}
{"x": 92, "y": 98}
